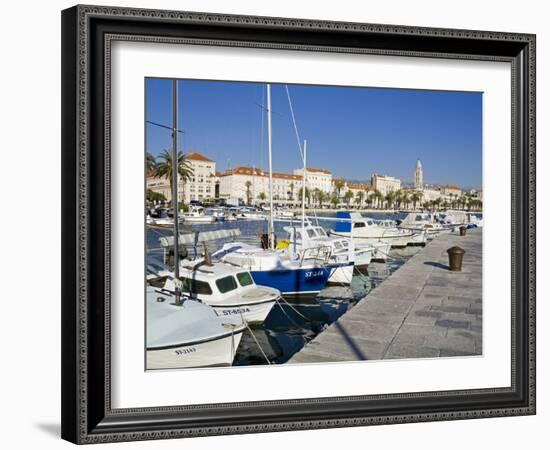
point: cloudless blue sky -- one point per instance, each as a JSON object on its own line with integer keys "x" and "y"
{"x": 353, "y": 132}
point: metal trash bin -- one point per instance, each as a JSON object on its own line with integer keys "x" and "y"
{"x": 463, "y": 230}
{"x": 455, "y": 258}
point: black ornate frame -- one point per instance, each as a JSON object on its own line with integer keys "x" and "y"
{"x": 87, "y": 33}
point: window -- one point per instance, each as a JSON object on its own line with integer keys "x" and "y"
{"x": 244, "y": 279}
{"x": 359, "y": 225}
{"x": 311, "y": 233}
{"x": 321, "y": 232}
{"x": 195, "y": 286}
{"x": 226, "y": 284}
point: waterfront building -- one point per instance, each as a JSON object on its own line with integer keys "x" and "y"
{"x": 418, "y": 176}
{"x": 202, "y": 186}
{"x": 317, "y": 179}
{"x": 450, "y": 190}
{"x": 385, "y": 184}
{"x": 250, "y": 183}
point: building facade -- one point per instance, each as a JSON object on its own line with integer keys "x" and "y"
{"x": 449, "y": 190}
{"x": 202, "y": 185}
{"x": 317, "y": 179}
{"x": 385, "y": 184}
{"x": 251, "y": 185}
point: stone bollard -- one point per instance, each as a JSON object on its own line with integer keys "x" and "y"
{"x": 455, "y": 258}
{"x": 463, "y": 231}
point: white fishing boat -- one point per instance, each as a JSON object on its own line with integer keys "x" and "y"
{"x": 280, "y": 213}
{"x": 197, "y": 215}
{"x": 250, "y": 213}
{"x": 306, "y": 275}
{"x": 188, "y": 334}
{"x": 455, "y": 219}
{"x": 423, "y": 222}
{"x": 363, "y": 229}
{"x": 344, "y": 256}
{"x": 418, "y": 238}
{"x": 230, "y": 290}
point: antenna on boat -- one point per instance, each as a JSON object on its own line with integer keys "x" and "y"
{"x": 271, "y": 227}
{"x": 175, "y": 168}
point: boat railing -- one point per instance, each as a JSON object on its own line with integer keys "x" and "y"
{"x": 320, "y": 254}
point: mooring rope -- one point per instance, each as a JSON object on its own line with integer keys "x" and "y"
{"x": 255, "y": 340}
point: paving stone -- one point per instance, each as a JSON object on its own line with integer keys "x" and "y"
{"x": 421, "y": 310}
{"x": 410, "y": 352}
{"x": 452, "y": 324}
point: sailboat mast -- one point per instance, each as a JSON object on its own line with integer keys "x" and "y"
{"x": 271, "y": 227}
{"x": 175, "y": 167}
{"x": 304, "y": 184}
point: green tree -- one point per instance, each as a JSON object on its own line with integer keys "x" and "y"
{"x": 163, "y": 168}
{"x": 153, "y": 196}
{"x": 339, "y": 184}
{"x": 348, "y": 196}
{"x": 415, "y": 198}
{"x": 359, "y": 196}
{"x": 150, "y": 162}
{"x": 390, "y": 197}
{"x": 248, "y": 185}
{"x": 335, "y": 200}
{"x": 262, "y": 196}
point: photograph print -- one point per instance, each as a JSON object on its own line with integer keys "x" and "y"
{"x": 300, "y": 224}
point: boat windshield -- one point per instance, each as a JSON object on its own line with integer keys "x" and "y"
{"x": 226, "y": 284}
{"x": 195, "y": 286}
{"x": 311, "y": 233}
{"x": 370, "y": 223}
{"x": 321, "y": 232}
{"x": 244, "y": 279}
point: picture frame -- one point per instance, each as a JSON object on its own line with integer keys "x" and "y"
{"x": 87, "y": 413}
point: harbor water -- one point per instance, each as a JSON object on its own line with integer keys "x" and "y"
{"x": 292, "y": 322}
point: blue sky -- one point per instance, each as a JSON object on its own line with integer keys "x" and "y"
{"x": 352, "y": 132}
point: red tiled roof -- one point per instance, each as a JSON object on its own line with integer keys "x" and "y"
{"x": 286, "y": 176}
{"x": 197, "y": 157}
{"x": 309, "y": 169}
{"x": 364, "y": 187}
{"x": 449, "y": 186}
{"x": 244, "y": 170}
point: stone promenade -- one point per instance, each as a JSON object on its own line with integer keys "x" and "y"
{"x": 421, "y": 311}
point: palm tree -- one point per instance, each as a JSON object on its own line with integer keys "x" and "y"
{"x": 150, "y": 162}
{"x": 163, "y": 168}
{"x": 379, "y": 198}
{"x": 372, "y": 198}
{"x": 248, "y": 185}
{"x": 406, "y": 200}
{"x": 390, "y": 197}
{"x": 335, "y": 200}
{"x": 415, "y": 197}
{"x": 262, "y": 196}
{"x": 359, "y": 196}
{"x": 348, "y": 196}
{"x": 339, "y": 184}
{"x": 307, "y": 193}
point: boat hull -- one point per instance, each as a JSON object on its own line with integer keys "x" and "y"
{"x": 212, "y": 353}
{"x": 341, "y": 274}
{"x": 251, "y": 313}
{"x": 295, "y": 282}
